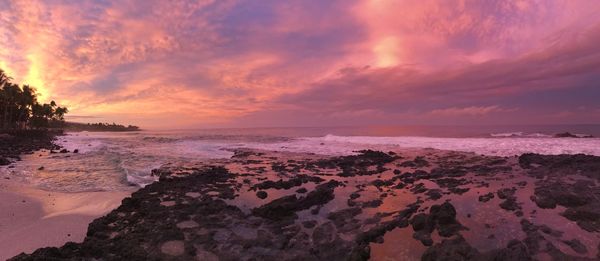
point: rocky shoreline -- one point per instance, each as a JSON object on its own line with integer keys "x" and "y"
{"x": 262, "y": 205}
{"x": 17, "y": 143}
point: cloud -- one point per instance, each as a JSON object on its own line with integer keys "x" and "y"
{"x": 467, "y": 111}
{"x": 567, "y": 64}
{"x": 233, "y": 62}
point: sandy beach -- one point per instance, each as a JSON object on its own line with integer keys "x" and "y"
{"x": 31, "y": 218}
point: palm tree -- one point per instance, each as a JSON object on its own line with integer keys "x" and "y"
{"x": 4, "y": 78}
{"x": 19, "y": 107}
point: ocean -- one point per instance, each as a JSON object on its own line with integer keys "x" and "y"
{"x": 119, "y": 160}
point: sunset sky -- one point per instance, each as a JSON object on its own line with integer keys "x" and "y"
{"x": 164, "y": 64}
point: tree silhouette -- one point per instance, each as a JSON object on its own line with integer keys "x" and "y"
{"x": 20, "y": 109}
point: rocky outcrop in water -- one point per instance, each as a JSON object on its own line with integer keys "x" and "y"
{"x": 16, "y": 143}
{"x": 552, "y": 189}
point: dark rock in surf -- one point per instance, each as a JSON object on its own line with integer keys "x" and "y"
{"x": 4, "y": 161}
{"x": 261, "y": 194}
{"x": 287, "y": 206}
{"x": 577, "y": 246}
{"x": 487, "y": 197}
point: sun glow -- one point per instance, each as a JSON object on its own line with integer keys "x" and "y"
{"x": 34, "y": 78}
{"x": 387, "y": 52}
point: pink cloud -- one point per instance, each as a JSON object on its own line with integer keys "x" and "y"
{"x": 217, "y": 62}
{"x": 468, "y": 111}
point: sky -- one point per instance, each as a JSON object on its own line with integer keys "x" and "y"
{"x": 233, "y": 63}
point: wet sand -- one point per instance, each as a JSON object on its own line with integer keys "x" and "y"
{"x": 31, "y": 218}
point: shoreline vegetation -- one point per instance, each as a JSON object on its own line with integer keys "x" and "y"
{"x": 20, "y": 109}
{"x": 20, "y": 113}
{"x": 26, "y": 125}
{"x": 76, "y": 126}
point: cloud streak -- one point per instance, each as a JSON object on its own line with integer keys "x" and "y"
{"x": 249, "y": 63}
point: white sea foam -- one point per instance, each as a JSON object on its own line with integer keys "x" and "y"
{"x": 487, "y": 146}
{"x": 109, "y": 161}
{"x": 520, "y": 134}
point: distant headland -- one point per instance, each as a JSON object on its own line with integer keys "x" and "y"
{"x": 76, "y": 126}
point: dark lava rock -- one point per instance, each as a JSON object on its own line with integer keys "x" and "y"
{"x": 579, "y": 198}
{"x": 510, "y": 204}
{"x": 548, "y": 195}
{"x": 450, "y": 182}
{"x": 444, "y": 214}
{"x": 288, "y": 206}
{"x": 458, "y": 249}
{"x": 510, "y": 200}
{"x": 142, "y": 218}
{"x": 516, "y": 250}
{"x": 301, "y": 190}
{"x": 382, "y": 183}
{"x": 451, "y": 249}
{"x": 354, "y": 195}
{"x": 550, "y": 231}
{"x": 506, "y": 193}
{"x": 4, "y": 161}
{"x": 288, "y": 184}
{"x": 309, "y": 223}
{"x": 561, "y": 165}
{"x": 565, "y": 135}
{"x": 358, "y": 164}
{"x": 13, "y": 143}
{"x": 64, "y": 151}
{"x": 424, "y": 237}
{"x": 324, "y": 233}
{"x": 487, "y": 197}
{"x": 262, "y": 194}
{"x": 279, "y": 208}
{"x": 434, "y": 194}
{"x": 441, "y": 217}
{"x": 419, "y": 222}
{"x": 576, "y": 245}
{"x": 536, "y": 242}
{"x": 451, "y": 172}
{"x": 143, "y": 228}
{"x": 75, "y": 151}
{"x": 570, "y": 135}
{"x": 418, "y": 188}
{"x": 418, "y": 162}
{"x": 41, "y": 168}
{"x": 458, "y": 191}
{"x": 329, "y": 246}
{"x": 372, "y": 204}
{"x": 588, "y": 218}
{"x": 344, "y": 219}
{"x": 375, "y": 234}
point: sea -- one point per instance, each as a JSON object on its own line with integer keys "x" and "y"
{"x": 108, "y": 161}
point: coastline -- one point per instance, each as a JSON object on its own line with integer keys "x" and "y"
{"x": 365, "y": 203}
{"x": 374, "y": 204}
{"x": 32, "y": 218}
